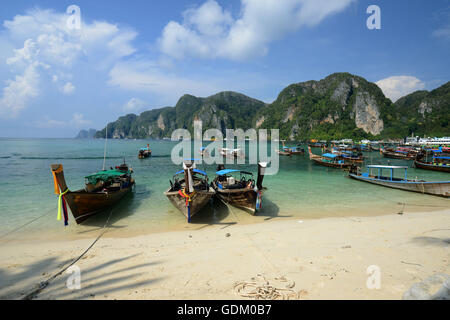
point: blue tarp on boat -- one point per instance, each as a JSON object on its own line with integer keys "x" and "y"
{"x": 329, "y": 155}
{"x": 226, "y": 171}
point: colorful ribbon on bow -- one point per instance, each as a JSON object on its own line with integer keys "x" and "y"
{"x": 183, "y": 194}
{"x": 62, "y": 203}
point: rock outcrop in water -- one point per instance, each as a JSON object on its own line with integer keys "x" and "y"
{"x": 86, "y": 134}
{"x": 340, "y": 106}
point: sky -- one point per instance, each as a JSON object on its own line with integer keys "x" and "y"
{"x": 72, "y": 65}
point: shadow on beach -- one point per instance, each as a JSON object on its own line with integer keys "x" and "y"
{"x": 212, "y": 214}
{"x": 270, "y": 210}
{"x": 99, "y": 279}
{"x": 432, "y": 241}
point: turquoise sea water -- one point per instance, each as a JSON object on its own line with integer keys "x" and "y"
{"x": 300, "y": 190}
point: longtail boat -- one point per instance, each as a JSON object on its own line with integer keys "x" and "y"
{"x": 103, "y": 190}
{"x": 317, "y": 145}
{"x": 365, "y": 147}
{"x": 288, "y": 151}
{"x": 329, "y": 160}
{"x": 244, "y": 192}
{"x": 231, "y": 153}
{"x": 291, "y": 150}
{"x": 190, "y": 193}
{"x": 437, "y": 188}
{"x": 398, "y": 154}
{"x": 349, "y": 156}
{"x": 284, "y": 153}
{"x": 439, "y": 162}
{"x": 145, "y": 152}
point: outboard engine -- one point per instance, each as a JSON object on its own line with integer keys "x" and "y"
{"x": 261, "y": 171}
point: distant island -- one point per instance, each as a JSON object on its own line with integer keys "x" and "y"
{"x": 340, "y": 106}
{"x": 86, "y": 134}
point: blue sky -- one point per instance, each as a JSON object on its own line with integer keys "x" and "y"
{"x": 131, "y": 56}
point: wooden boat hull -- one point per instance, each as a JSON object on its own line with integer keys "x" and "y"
{"x": 430, "y": 166}
{"x": 284, "y": 153}
{"x": 395, "y": 155}
{"x": 84, "y": 204}
{"x": 331, "y": 164}
{"x": 354, "y": 160}
{"x": 241, "y": 198}
{"x": 321, "y": 146}
{"x": 441, "y": 189}
{"x": 198, "y": 200}
{"x": 144, "y": 155}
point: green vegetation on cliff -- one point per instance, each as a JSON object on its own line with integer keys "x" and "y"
{"x": 422, "y": 113}
{"x": 340, "y": 106}
{"x": 223, "y": 110}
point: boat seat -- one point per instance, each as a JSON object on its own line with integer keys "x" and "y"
{"x": 93, "y": 188}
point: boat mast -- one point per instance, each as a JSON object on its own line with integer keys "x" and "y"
{"x": 104, "y": 152}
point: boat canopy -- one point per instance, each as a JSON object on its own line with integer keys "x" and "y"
{"x": 387, "y": 167}
{"x": 329, "y": 155}
{"x": 105, "y": 175}
{"x": 145, "y": 149}
{"x": 195, "y": 170}
{"x": 228, "y": 171}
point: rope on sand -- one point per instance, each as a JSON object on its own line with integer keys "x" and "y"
{"x": 45, "y": 283}
{"x": 260, "y": 288}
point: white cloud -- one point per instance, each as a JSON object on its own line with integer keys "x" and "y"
{"x": 396, "y": 87}
{"x": 48, "y": 46}
{"x": 443, "y": 33}
{"x": 68, "y": 88}
{"x": 209, "y": 31}
{"x": 443, "y": 16}
{"x": 77, "y": 121}
{"x": 146, "y": 76}
{"x": 19, "y": 92}
{"x": 134, "y": 105}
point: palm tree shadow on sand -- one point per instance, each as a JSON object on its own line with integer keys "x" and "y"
{"x": 125, "y": 208}
{"x": 97, "y": 279}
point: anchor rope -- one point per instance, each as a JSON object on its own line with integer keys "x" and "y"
{"x": 45, "y": 283}
{"x": 26, "y": 224}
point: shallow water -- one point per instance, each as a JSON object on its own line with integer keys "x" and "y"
{"x": 300, "y": 190}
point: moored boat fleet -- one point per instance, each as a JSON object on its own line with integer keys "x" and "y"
{"x": 351, "y": 158}
{"x": 190, "y": 189}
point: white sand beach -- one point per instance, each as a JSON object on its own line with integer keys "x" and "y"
{"x": 327, "y": 258}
